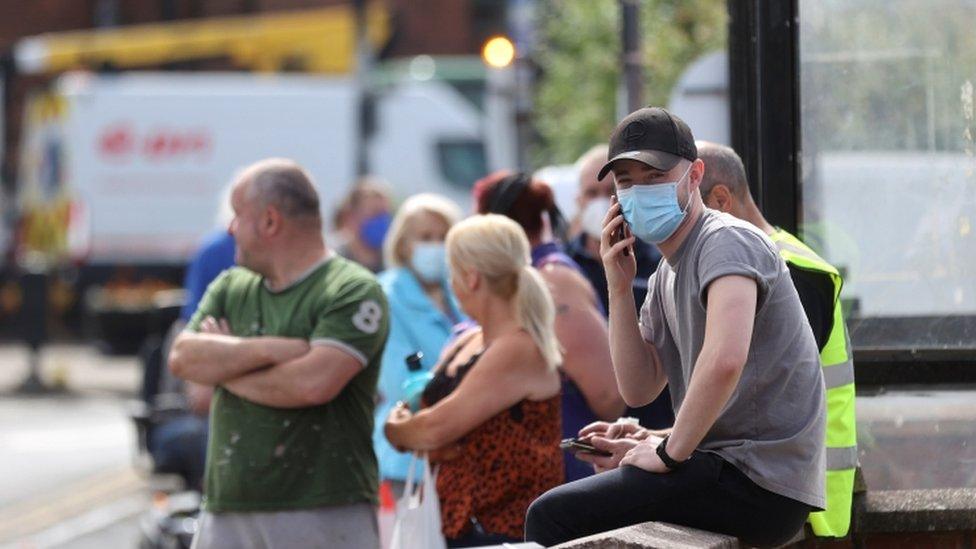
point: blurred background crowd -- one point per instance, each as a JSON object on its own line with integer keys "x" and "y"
{"x": 124, "y": 121}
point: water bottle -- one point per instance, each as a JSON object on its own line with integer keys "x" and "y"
{"x": 417, "y": 379}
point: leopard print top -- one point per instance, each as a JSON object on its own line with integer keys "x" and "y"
{"x": 501, "y": 467}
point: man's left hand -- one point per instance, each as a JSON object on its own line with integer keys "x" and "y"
{"x": 618, "y": 448}
{"x": 644, "y": 456}
{"x": 211, "y": 325}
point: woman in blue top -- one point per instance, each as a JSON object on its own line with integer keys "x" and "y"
{"x": 422, "y": 309}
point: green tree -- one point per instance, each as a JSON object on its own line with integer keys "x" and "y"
{"x": 579, "y": 54}
{"x": 886, "y": 74}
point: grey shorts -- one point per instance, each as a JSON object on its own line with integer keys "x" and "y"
{"x": 347, "y": 526}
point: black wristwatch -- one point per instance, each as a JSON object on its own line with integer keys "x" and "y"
{"x": 662, "y": 453}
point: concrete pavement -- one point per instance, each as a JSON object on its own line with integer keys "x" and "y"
{"x": 67, "y": 473}
{"x": 79, "y": 369}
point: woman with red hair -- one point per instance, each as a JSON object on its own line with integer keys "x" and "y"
{"x": 588, "y": 382}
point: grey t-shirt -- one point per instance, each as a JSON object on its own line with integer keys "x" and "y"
{"x": 772, "y": 428}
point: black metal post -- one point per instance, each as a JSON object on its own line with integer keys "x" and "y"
{"x": 523, "y": 110}
{"x": 7, "y": 179}
{"x": 33, "y": 322}
{"x": 365, "y": 120}
{"x": 630, "y": 55}
{"x": 765, "y": 103}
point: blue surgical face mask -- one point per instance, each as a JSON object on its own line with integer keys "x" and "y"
{"x": 373, "y": 230}
{"x": 652, "y": 211}
{"x": 429, "y": 261}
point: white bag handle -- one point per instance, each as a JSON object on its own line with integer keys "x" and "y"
{"x": 418, "y": 524}
{"x": 408, "y": 489}
{"x": 429, "y": 480}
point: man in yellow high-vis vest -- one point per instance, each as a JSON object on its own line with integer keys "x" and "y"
{"x": 724, "y": 187}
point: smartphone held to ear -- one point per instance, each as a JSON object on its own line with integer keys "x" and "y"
{"x": 575, "y": 445}
{"x": 621, "y": 232}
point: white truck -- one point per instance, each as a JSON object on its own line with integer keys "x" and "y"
{"x": 133, "y": 164}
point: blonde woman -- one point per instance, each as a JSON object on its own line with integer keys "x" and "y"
{"x": 492, "y": 410}
{"x": 422, "y": 309}
{"x": 588, "y": 382}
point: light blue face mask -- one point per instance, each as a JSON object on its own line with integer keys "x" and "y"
{"x": 652, "y": 211}
{"x": 429, "y": 261}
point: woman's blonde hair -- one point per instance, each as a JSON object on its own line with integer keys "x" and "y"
{"x": 395, "y": 245}
{"x": 497, "y": 248}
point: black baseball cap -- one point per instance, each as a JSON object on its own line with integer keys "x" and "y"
{"x": 651, "y": 135}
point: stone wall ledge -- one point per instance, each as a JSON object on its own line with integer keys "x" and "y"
{"x": 653, "y": 534}
{"x": 937, "y": 510}
{"x": 920, "y": 513}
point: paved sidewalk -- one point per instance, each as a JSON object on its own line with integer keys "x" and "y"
{"x": 67, "y": 456}
{"x": 75, "y": 509}
{"x": 76, "y": 368}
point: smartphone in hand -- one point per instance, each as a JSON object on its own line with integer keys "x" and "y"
{"x": 620, "y": 233}
{"x": 575, "y": 445}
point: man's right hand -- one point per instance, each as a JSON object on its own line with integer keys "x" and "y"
{"x": 617, "y": 429}
{"x": 620, "y": 269}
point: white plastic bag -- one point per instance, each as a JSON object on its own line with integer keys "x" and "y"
{"x": 418, "y": 513}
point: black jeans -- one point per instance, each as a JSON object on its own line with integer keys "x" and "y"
{"x": 706, "y": 493}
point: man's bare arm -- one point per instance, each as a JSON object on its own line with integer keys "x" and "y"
{"x": 640, "y": 376}
{"x": 312, "y": 379}
{"x": 728, "y": 333}
{"x": 212, "y": 359}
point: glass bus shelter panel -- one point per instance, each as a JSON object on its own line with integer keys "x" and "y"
{"x": 888, "y": 190}
{"x": 917, "y": 439}
{"x": 888, "y": 195}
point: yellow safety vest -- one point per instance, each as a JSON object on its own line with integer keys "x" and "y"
{"x": 837, "y": 362}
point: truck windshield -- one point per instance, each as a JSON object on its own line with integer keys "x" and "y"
{"x": 462, "y": 161}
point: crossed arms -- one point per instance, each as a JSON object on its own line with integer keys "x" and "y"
{"x": 273, "y": 371}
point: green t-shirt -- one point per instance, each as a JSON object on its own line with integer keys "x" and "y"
{"x": 265, "y": 459}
